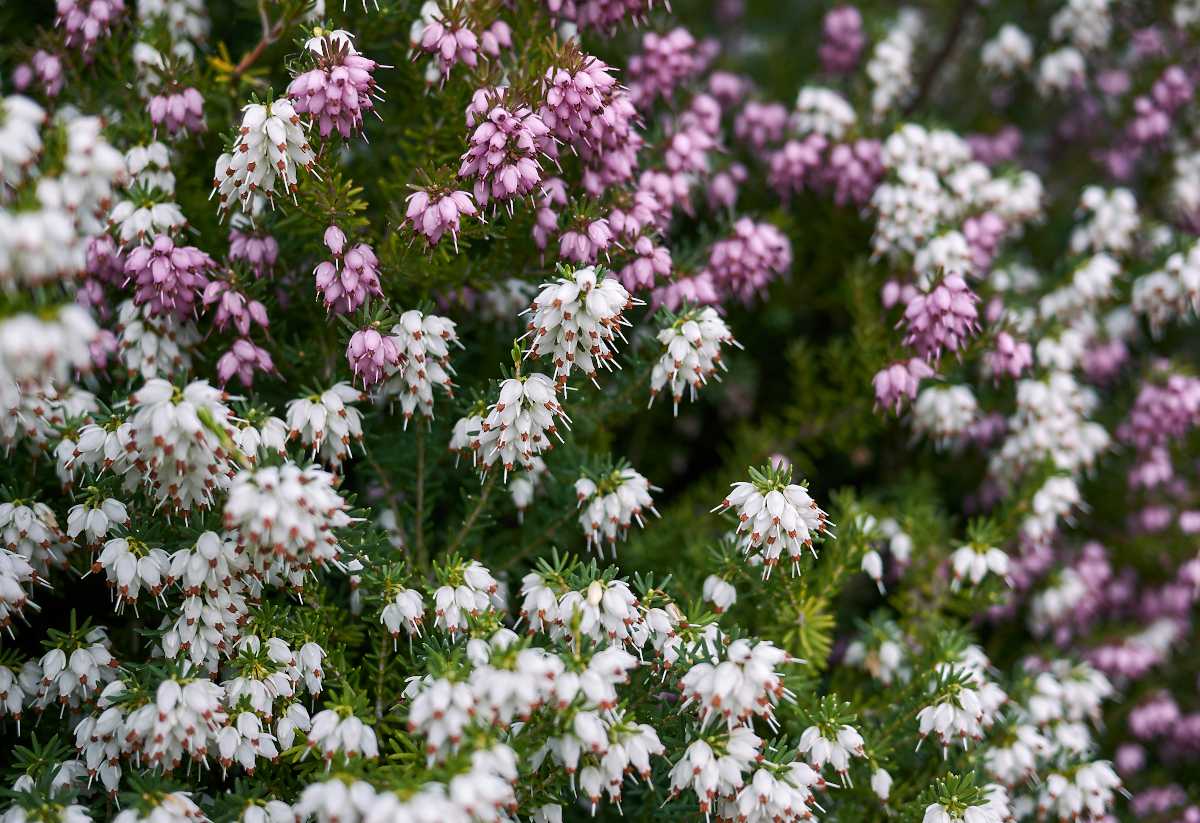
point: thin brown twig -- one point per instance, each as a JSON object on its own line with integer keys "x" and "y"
{"x": 422, "y": 560}
{"x": 469, "y": 523}
{"x": 943, "y": 54}
{"x": 541, "y": 540}
{"x": 389, "y": 491}
{"x": 270, "y": 33}
{"x": 380, "y": 675}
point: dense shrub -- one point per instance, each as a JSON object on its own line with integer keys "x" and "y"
{"x": 535, "y": 409}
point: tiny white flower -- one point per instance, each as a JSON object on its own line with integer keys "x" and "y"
{"x": 775, "y": 514}
{"x": 972, "y": 562}
{"x": 835, "y": 750}
{"x": 328, "y": 423}
{"x": 872, "y": 566}
{"x": 881, "y": 784}
{"x": 719, "y": 592}
{"x": 612, "y": 506}
{"x": 576, "y": 320}
{"x": 271, "y": 146}
{"x": 517, "y": 427}
{"x": 286, "y": 517}
{"x": 424, "y": 344}
{"x": 1008, "y": 52}
{"x": 332, "y": 733}
{"x": 822, "y": 111}
{"x": 692, "y": 354}
{"x": 95, "y": 520}
{"x": 406, "y": 610}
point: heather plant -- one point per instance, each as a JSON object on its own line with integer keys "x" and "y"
{"x": 338, "y": 485}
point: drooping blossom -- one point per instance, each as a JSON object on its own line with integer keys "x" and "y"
{"x": 233, "y": 307}
{"x": 502, "y": 154}
{"x": 518, "y": 426}
{"x": 242, "y": 360}
{"x": 345, "y": 283}
{"x": 697, "y": 289}
{"x": 842, "y": 39}
{"x": 728, "y": 88}
{"x": 602, "y": 15}
{"x": 691, "y": 355}
{"x": 999, "y": 147}
{"x": 743, "y": 264}
{"x": 899, "y": 382}
{"x": 340, "y": 89}
{"x": 576, "y": 320}
{"x": 177, "y": 111}
{"x": 574, "y": 95}
{"x": 724, "y": 185}
{"x": 852, "y": 171}
{"x": 257, "y": 249}
{"x": 432, "y": 214}
{"x": 795, "y": 166}
{"x": 983, "y": 234}
{"x": 285, "y": 519}
{"x": 423, "y": 341}
{"x": 651, "y": 261}
{"x": 688, "y": 149}
{"x": 585, "y": 108}
{"x": 610, "y": 507}
{"x": 105, "y": 261}
{"x": 167, "y": 278}
{"x": 774, "y": 514}
{"x": 446, "y": 33}
{"x": 822, "y": 111}
{"x": 1153, "y": 112}
{"x": 1162, "y": 412}
{"x": 942, "y": 318}
{"x": 371, "y": 355}
{"x": 86, "y": 21}
{"x": 496, "y": 38}
{"x": 270, "y": 149}
{"x": 1010, "y": 357}
{"x": 47, "y": 69}
{"x": 585, "y": 242}
{"x": 760, "y": 124}
{"x": 665, "y": 62}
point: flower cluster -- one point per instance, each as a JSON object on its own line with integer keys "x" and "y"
{"x": 612, "y": 505}
{"x": 346, "y": 282}
{"x": 179, "y": 111}
{"x": 285, "y": 517}
{"x": 86, "y": 22}
{"x": 575, "y": 321}
{"x": 742, "y": 264}
{"x": 423, "y": 344}
{"x": 518, "y": 426}
{"x": 692, "y": 354}
{"x": 270, "y": 149}
{"x": 337, "y": 92}
{"x": 503, "y": 151}
{"x": 775, "y": 514}
{"x": 290, "y": 604}
{"x": 178, "y": 443}
{"x": 432, "y": 214}
{"x": 327, "y": 423}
